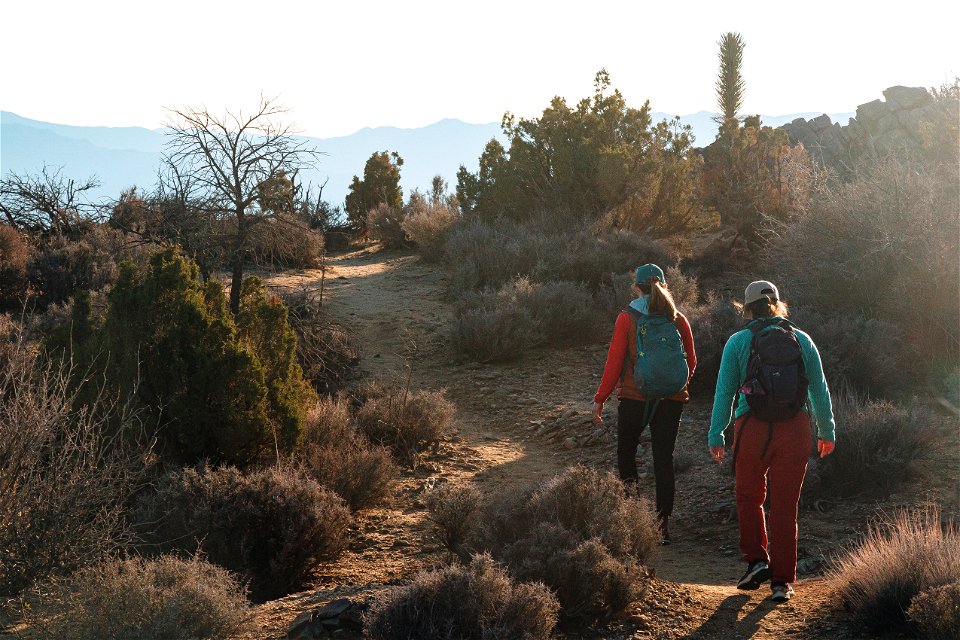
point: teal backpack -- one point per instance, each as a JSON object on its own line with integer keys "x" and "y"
{"x": 660, "y": 370}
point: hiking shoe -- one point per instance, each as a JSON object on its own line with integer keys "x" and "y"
{"x": 664, "y": 531}
{"x": 757, "y": 573}
{"x": 780, "y": 591}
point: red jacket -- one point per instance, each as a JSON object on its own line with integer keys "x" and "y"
{"x": 624, "y": 345}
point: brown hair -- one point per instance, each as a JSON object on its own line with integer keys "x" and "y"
{"x": 763, "y": 308}
{"x": 661, "y": 302}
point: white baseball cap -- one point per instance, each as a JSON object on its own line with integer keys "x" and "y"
{"x": 759, "y": 290}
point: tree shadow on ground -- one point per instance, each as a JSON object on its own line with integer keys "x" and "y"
{"x": 727, "y": 623}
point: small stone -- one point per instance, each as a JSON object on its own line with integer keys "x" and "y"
{"x": 569, "y": 443}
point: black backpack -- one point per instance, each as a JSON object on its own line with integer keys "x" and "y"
{"x": 776, "y": 382}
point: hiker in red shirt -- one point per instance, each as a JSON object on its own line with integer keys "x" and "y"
{"x": 664, "y": 362}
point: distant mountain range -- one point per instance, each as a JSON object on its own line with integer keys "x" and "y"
{"x": 121, "y": 157}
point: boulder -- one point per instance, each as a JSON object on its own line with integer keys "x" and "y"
{"x": 906, "y": 98}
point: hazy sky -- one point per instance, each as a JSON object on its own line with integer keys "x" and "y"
{"x": 341, "y": 66}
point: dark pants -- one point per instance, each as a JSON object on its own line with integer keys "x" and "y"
{"x": 663, "y": 434}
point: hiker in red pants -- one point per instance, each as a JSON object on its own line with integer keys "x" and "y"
{"x": 773, "y": 371}
{"x": 650, "y": 362}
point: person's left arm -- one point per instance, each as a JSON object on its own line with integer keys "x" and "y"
{"x": 817, "y": 391}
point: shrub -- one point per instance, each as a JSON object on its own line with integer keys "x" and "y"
{"x": 219, "y": 388}
{"x": 162, "y": 599}
{"x": 64, "y": 475}
{"x": 475, "y": 602}
{"x": 341, "y": 459}
{"x": 588, "y": 581}
{"x": 594, "y": 505}
{"x": 869, "y": 248}
{"x": 362, "y": 474}
{"x": 898, "y": 560}
{"x": 63, "y": 266}
{"x": 483, "y": 255}
{"x": 579, "y": 533}
{"x": 14, "y": 258}
{"x": 454, "y": 511}
{"x": 286, "y": 241}
{"x": 408, "y": 422}
{"x": 936, "y": 611}
{"x": 328, "y": 422}
{"x": 385, "y": 224}
{"x": 326, "y": 351}
{"x": 685, "y": 289}
{"x": 263, "y": 328}
{"x": 503, "y": 324}
{"x": 428, "y": 225}
{"x": 271, "y": 526}
{"x": 869, "y": 355}
{"x": 489, "y": 334}
{"x": 881, "y": 446}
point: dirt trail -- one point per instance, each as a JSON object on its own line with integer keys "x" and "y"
{"x": 397, "y": 306}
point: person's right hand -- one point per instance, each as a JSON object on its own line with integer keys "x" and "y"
{"x": 718, "y": 454}
{"x": 597, "y": 413}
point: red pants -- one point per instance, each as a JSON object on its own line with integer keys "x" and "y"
{"x": 777, "y": 465}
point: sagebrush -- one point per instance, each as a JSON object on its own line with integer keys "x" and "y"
{"x": 167, "y": 598}
{"x": 476, "y": 602}
{"x": 271, "y": 526}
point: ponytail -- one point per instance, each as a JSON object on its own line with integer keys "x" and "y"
{"x": 661, "y": 302}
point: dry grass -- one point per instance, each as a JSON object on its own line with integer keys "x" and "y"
{"x": 898, "y": 560}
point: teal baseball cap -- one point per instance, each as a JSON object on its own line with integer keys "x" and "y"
{"x": 647, "y": 271}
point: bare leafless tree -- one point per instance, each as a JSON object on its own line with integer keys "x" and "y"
{"x": 228, "y": 159}
{"x": 48, "y": 202}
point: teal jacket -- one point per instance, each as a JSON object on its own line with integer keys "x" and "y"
{"x": 733, "y": 372}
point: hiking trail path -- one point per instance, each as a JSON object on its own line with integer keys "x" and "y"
{"x": 398, "y": 309}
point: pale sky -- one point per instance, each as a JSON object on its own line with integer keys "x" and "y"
{"x": 408, "y": 63}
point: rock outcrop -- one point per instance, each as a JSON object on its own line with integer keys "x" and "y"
{"x": 880, "y": 128}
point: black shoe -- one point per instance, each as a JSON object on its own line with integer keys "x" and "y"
{"x": 664, "y": 530}
{"x": 757, "y": 573}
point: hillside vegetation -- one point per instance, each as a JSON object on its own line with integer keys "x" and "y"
{"x": 228, "y": 402}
